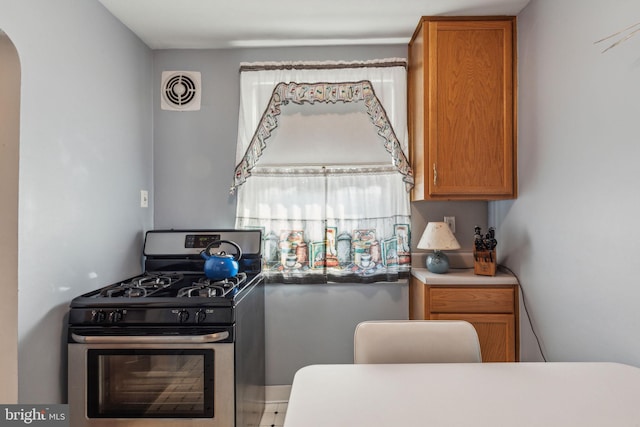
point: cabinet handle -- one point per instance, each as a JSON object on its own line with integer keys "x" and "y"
{"x": 435, "y": 175}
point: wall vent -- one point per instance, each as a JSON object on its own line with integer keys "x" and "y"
{"x": 180, "y": 91}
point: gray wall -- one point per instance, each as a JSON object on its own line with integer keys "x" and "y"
{"x": 468, "y": 214}
{"x": 310, "y": 324}
{"x": 571, "y": 235}
{"x": 85, "y": 154}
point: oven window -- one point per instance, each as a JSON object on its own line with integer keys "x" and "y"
{"x": 158, "y": 383}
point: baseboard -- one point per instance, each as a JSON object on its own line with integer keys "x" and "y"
{"x": 277, "y": 393}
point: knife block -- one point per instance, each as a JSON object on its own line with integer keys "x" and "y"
{"x": 484, "y": 262}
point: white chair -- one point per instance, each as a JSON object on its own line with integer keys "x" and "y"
{"x": 416, "y": 341}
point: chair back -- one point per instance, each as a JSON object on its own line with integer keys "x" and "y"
{"x": 416, "y": 341}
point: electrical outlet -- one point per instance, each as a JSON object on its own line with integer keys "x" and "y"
{"x": 144, "y": 199}
{"x": 451, "y": 220}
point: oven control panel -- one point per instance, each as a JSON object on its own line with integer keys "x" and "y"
{"x": 151, "y": 316}
{"x": 200, "y": 241}
{"x": 176, "y": 243}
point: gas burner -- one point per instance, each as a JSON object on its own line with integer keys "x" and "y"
{"x": 205, "y": 287}
{"x": 201, "y": 290}
{"x": 230, "y": 282}
{"x": 141, "y": 286}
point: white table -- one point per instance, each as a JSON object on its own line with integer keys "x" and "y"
{"x": 474, "y": 394}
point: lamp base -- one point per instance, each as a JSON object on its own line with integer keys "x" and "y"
{"x": 438, "y": 262}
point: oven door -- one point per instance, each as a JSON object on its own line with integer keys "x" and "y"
{"x": 151, "y": 381}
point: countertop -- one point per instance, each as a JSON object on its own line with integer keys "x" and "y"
{"x": 463, "y": 276}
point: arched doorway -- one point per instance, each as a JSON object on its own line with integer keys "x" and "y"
{"x": 9, "y": 167}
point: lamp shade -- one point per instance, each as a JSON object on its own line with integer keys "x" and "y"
{"x": 438, "y": 236}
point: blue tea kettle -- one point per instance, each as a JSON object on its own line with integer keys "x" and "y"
{"x": 221, "y": 265}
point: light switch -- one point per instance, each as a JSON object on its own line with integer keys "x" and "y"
{"x": 144, "y": 199}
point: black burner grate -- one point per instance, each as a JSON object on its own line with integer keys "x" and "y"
{"x": 141, "y": 286}
{"x": 205, "y": 287}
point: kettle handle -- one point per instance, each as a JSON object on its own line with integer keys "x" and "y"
{"x": 238, "y": 254}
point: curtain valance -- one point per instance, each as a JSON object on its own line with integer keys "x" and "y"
{"x": 328, "y": 93}
{"x": 381, "y": 84}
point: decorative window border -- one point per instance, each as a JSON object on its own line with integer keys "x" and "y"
{"x": 300, "y": 93}
{"x": 322, "y": 65}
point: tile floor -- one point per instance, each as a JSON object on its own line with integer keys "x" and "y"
{"x": 273, "y": 414}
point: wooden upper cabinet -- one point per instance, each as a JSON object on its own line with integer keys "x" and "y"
{"x": 462, "y": 108}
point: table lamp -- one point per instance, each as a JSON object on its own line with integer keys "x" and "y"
{"x": 438, "y": 237}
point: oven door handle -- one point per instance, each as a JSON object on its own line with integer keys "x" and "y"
{"x": 151, "y": 339}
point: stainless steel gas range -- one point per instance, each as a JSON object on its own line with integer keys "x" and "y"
{"x": 171, "y": 347}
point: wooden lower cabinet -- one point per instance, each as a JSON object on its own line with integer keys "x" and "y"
{"x": 491, "y": 309}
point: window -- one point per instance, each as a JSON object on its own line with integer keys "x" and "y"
{"x": 324, "y": 174}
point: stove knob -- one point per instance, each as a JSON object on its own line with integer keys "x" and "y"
{"x": 200, "y": 316}
{"x": 183, "y": 316}
{"x": 115, "y": 316}
{"x": 98, "y": 316}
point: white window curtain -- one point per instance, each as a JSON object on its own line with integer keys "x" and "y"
{"x": 330, "y": 209}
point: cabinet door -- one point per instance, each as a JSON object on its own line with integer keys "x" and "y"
{"x": 462, "y": 108}
{"x": 471, "y": 124}
{"x": 496, "y": 333}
